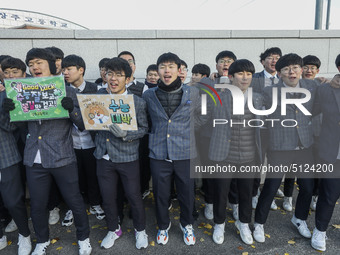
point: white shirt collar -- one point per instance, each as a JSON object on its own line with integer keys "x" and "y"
{"x": 268, "y": 75}
{"x": 81, "y": 87}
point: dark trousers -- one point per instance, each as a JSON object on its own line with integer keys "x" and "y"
{"x": 87, "y": 172}
{"x": 243, "y": 187}
{"x": 144, "y": 163}
{"x": 272, "y": 183}
{"x": 329, "y": 193}
{"x": 39, "y": 182}
{"x": 108, "y": 173}
{"x": 12, "y": 193}
{"x": 162, "y": 172}
{"x": 54, "y": 197}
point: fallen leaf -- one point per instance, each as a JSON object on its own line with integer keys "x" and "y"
{"x": 202, "y": 240}
{"x": 231, "y": 221}
{"x": 100, "y": 241}
{"x": 128, "y": 230}
{"x": 208, "y": 226}
{"x": 152, "y": 243}
{"x": 291, "y": 242}
{"x": 245, "y": 253}
{"x": 74, "y": 243}
{"x": 237, "y": 232}
{"x": 286, "y": 253}
{"x": 9, "y": 243}
{"x": 267, "y": 235}
{"x": 336, "y": 226}
{"x": 68, "y": 231}
{"x": 253, "y": 246}
{"x": 95, "y": 226}
{"x": 201, "y": 225}
{"x": 337, "y": 203}
{"x": 88, "y": 213}
{"x": 208, "y": 233}
{"x": 176, "y": 217}
{"x": 240, "y": 248}
{"x": 59, "y": 248}
{"x": 54, "y": 240}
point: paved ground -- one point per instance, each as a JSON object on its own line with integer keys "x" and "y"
{"x": 282, "y": 237}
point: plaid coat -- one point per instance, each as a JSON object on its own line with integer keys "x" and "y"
{"x": 286, "y": 138}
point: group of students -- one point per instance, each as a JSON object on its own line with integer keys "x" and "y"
{"x": 106, "y": 166}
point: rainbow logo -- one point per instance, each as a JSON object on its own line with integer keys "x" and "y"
{"x": 213, "y": 90}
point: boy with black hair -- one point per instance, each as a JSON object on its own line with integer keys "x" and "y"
{"x": 152, "y": 76}
{"x": 73, "y": 69}
{"x": 292, "y": 145}
{"x": 13, "y": 68}
{"x": 2, "y": 57}
{"x": 311, "y": 65}
{"x": 184, "y": 71}
{"x": 136, "y": 87}
{"x": 11, "y": 188}
{"x": 102, "y": 83}
{"x": 172, "y": 106}
{"x": 117, "y": 156}
{"x": 238, "y": 146}
{"x": 198, "y": 72}
{"x": 49, "y": 154}
{"x": 337, "y": 62}
{"x": 59, "y": 55}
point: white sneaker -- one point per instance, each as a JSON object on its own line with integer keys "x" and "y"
{"x": 287, "y": 204}
{"x": 54, "y": 216}
{"x": 40, "y": 248}
{"x": 188, "y": 234}
{"x": 25, "y": 245}
{"x": 254, "y": 201}
{"x": 209, "y": 211}
{"x": 3, "y": 242}
{"x": 245, "y": 232}
{"x": 301, "y": 225}
{"x": 218, "y": 235}
{"x": 273, "y": 206}
{"x": 279, "y": 193}
{"x": 163, "y": 235}
{"x": 319, "y": 240}
{"x": 234, "y": 207}
{"x": 11, "y": 227}
{"x": 85, "y": 247}
{"x": 111, "y": 237}
{"x": 98, "y": 211}
{"x": 313, "y": 203}
{"x": 258, "y": 233}
{"x": 141, "y": 239}
{"x": 68, "y": 220}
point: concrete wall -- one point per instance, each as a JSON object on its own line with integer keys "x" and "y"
{"x": 194, "y": 46}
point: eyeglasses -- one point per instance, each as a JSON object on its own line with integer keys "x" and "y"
{"x": 272, "y": 58}
{"x": 287, "y": 69}
{"x": 185, "y": 69}
{"x": 225, "y": 61}
{"x": 131, "y": 61}
{"x": 112, "y": 74}
{"x": 312, "y": 68}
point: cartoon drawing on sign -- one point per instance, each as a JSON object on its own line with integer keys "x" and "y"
{"x": 97, "y": 114}
{"x": 36, "y": 97}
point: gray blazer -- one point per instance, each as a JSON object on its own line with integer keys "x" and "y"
{"x": 221, "y": 134}
{"x": 286, "y": 138}
{"x": 120, "y": 150}
{"x": 53, "y": 138}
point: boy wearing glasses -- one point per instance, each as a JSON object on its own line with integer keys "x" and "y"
{"x": 288, "y": 145}
{"x": 117, "y": 156}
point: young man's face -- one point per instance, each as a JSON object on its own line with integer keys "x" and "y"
{"x": 241, "y": 80}
{"x": 196, "y": 77}
{"x": 152, "y": 77}
{"x": 168, "y": 72}
{"x": 58, "y": 66}
{"x": 129, "y": 59}
{"x": 39, "y": 67}
{"x": 222, "y": 66}
{"x": 73, "y": 75}
{"x": 14, "y": 73}
{"x": 291, "y": 75}
{"x": 309, "y": 72}
{"x": 102, "y": 71}
{"x": 116, "y": 81}
{"x": 183, "y": 74}
{"x": 269, "y": 63}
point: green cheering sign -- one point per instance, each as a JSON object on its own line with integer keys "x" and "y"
{"x": 37, "y": 98}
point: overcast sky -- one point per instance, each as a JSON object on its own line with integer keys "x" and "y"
{"x": 183, "y": 14}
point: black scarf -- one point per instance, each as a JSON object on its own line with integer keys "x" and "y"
{"x": 176, "y": 84}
